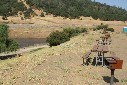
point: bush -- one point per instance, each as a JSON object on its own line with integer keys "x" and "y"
{"x": 42, "y": 14}
{"x": 5, "y": 43}
{"x": 110, "y": 29}
{"x": 99, "y": 27}
{"x": 12, "y": 45}
{"x": 70, "y": 32}
{"x": 56, "y": 38}
{"x": 28, "y": 12}
{"x": 73, "y": 32}
{"x": 3, "y": 33}
{"x": 2, "y": 47}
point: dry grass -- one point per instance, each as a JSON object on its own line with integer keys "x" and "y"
{"x": 49, "y": 65}
{"x": 50, "y": 24}
{"x": 62, "y": 64}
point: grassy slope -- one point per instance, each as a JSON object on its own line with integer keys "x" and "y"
{"x": 47, "y": 65}
{"x": 61, "y": 65}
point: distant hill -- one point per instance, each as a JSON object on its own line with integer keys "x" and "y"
{"x": 65, "y": 8}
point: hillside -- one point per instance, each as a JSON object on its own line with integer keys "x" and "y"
{"x": 65, "y": 8}
{"x": 62, "y": 65}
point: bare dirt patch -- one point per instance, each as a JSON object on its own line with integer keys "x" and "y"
{"x": 41, "y": 27}
{"x": 31, "y": 33}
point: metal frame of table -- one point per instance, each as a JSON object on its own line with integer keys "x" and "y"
{"x": 101, "y": 50}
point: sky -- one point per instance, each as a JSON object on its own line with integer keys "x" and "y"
{"x": 120, "y": 3}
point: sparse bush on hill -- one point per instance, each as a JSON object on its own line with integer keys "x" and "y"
{"x": 99, "y": 27}
{"x": 10, "y": 8}
{"x": 56, "y": 38}
{"x": 28, "y": 12}
{"x": 104, "y": 28}
{"x": 73, "y": 32}
{"x": 110, "y": 29}
{"x": 5, "y": 43}
{"x": 42, "y": 14}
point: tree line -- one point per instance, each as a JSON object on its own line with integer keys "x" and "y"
{"x": 65, "y": 8}
{"x": 10, "y": 8}
{"x": 77, "y": 8}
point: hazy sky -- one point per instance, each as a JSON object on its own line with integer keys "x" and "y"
{"x": 120, "y": 3}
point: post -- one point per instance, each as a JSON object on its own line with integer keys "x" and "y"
{"x": 112, "y": 76}
{"x": 102, "y": 59}
{"x": 83, "y": 61}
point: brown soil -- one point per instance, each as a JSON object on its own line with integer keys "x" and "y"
{"x": 31, "y": 33}
{"x": 50, "y": 24}
{"x": 62, "y": 65}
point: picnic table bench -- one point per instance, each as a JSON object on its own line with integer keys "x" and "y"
{"x": 114, "y": 62}
{"x": 86, "y": 56}
{"x": 106, "y": 39}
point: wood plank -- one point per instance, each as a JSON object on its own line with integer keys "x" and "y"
{"x": 105, "y": 49}
{"x": 100, "y": 48}
{"x": 94, "y": 49}
{"x": 86, "y": 55}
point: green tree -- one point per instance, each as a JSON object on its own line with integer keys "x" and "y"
{"x": 5, "y": 43}
{"x": 10, "y": 8}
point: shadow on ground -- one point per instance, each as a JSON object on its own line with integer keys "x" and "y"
{"x": 9, "y": 56}
{"x": 107, "y": 79}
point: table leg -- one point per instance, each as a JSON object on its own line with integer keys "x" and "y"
{"x": 97, "y": 58}
{"x": 112, "y": 76}
{"x": 102, "y": 58}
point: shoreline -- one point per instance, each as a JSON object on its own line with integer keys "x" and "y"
{"x": 21, "y": 51}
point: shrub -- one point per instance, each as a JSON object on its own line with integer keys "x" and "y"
{"x": 3, "y": 33}
{"x": 73, "y": 32}
{"x": 56, "y": 38}
{"x": 42, "y": 14}
{"x": 110, "y": 29}
{"x": 12, "y": 45}
{"x": 5, "y": 43}
{"x": 28, "y": 12}
{"x": 70, "y": 32}
{"x": 2, "y": 47}
{"x": 83, "y": 30}
{"x": 99, "y": 27}
{"x": 93, "y": 29}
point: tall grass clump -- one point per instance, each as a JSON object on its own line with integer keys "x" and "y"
{"x": 56, "y": 38}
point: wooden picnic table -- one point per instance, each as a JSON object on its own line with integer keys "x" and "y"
{"x": 104, "y": 39}
{"x": 101, "y": 50}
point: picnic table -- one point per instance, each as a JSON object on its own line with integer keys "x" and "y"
{"x": 101, "y": 50}
{"x": 104, "y": 39}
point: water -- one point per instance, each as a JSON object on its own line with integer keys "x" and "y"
{"x": 30, "y": 42}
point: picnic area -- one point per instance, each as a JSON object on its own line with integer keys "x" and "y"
{"x": 62, "y": 64}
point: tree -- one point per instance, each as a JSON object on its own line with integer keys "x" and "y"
{"x": 5, "y": 43}
{"x": 10, "y": 8}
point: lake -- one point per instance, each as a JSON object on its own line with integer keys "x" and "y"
{"x": 30, "y": 42}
